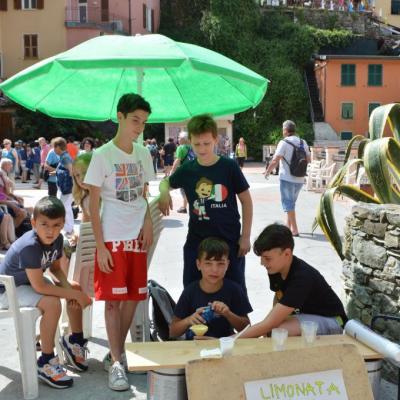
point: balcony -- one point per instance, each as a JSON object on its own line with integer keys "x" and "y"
{"x": 95, "y": 18}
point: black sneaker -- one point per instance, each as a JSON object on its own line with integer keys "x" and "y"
{"x": 75, "y": 354}
{"x": 54, "y": 374}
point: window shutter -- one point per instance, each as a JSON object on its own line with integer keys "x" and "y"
{"x": 153, "y": 28}
{"x": 144, "y": 16}
{"x": 40, "y": 4}
{"x": 3, "y": 5}
{"x": 17, "y": 4}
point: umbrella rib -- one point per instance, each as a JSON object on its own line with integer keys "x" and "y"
{"x": 230, "y": 84}
{"x": 115, "y": 93}
{"x": 54, "y": 88}
{"x": 180, "y": 94}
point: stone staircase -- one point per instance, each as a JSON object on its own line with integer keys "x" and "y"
{"x": 313, "y": 91}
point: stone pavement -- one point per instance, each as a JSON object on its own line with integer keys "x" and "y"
{"x": 167, "y": 267}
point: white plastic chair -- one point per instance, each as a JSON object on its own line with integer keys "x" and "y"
{"x": 81, "y": 269}
{"x": 140, "y": 327}
{"x": 324, "y": 176}
{"x": 25, "y": 329}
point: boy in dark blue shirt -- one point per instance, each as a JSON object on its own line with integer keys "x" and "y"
{"x": 226, "y": 298}
{"x": 211, "y": 184}
{"x": 26, "y": 260}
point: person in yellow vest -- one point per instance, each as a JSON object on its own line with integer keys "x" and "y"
{"x": 241, "y": 152}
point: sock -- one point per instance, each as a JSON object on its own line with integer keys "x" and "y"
{"x": 77, "y": 338}
{"x": 45, "y": 358}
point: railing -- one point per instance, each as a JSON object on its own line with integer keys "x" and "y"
{"x": 95, "y": 17}
{"x": 309, "y": 98}
{"x": 332, "y": 5}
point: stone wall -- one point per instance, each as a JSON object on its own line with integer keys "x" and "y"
{"x": 371, "y": 268}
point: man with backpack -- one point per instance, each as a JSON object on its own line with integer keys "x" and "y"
{"x": 184, "y": 153}
{"x": 293, "y": 155}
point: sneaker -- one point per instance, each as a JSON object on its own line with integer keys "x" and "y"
{"x": 117, "y": 379}
{"x": 75, "y": 353}
{"x": 107, "y": 362}
{"x": 54, "y": 374}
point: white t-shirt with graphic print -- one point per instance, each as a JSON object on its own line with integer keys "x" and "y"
{"x": 121, "y": 177}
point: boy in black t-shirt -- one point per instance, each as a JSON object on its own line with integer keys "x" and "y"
{"x": 211, "y": 184}
{"x": 26, "y": 260}
{"x": 226, "y": 298}
{"x": 301, "y": 292}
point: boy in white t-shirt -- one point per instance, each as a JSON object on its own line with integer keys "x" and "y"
{"x": 118, "y": 174}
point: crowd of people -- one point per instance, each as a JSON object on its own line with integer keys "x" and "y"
{"x": 110, "y": 184}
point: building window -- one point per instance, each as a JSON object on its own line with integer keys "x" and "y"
{"x": 348, "y": 74}
{"x": 347, "y": 110}
{"x": 375, "y": 75}
{"x": 29, "y": 4}
{"x": 345, "y": 135}
{"x": 395, "y": 9}
{"x": 31, "y": 46}
{"x": 371, "y": 107}
{"x": 1, "y": 65}
{"x": 83, "y": 11}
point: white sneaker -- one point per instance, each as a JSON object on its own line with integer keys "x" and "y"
{"x": 107, "y": 362}
{"x": 117, "y": 379}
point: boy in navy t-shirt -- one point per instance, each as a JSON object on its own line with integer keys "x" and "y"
{"x": 226, "y": 298}
{"x": 26, "y": 260}
{"x": 211, "y": 184}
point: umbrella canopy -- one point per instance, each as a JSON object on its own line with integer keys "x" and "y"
{"x": 179, "y": 80}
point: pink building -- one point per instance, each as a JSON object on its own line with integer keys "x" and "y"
{"x": 86, "y": 19}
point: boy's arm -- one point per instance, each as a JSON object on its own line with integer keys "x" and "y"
{"x": 165, "y": 201}
{"x": 236, "y": 321}
{"x": 273, "y": 320}
{"x": 247, "y": 219}
{"x": 35, "y": 276}
{"x": 103, "y": 255}
{"x": 146, "y": 233}
{"x": 175, "y": 165}
{"x": 179, "y": 326}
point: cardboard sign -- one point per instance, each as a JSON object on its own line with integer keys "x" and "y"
{"x": 324, "y": 385}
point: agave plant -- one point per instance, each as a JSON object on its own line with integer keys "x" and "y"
{"x": 380, "y": 157}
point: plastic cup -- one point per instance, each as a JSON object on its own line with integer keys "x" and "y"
{"x": 226, "y": 345}
{"x": 309, "y": 332}
{"x": 199, "y": 329}
{"x": 279, "y": 336}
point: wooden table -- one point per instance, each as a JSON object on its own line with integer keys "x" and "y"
{"x": 164, "y": 355}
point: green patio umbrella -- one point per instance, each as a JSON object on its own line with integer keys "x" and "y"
{"x": 178, "y": 79}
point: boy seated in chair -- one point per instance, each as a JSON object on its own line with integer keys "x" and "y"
{"x": 26, "y": 260}
{"x": 301, "y": 292}
{"x": 228, "y": 304}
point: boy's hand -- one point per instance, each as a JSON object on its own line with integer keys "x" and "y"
{"x": 220, "y": 308}
{"x": 84, "y": 300}
{"x": 146, "y": 234}
{"x": 165, "y": 203}
{"x": 196, "y": 317}
{"x": 104, "y": 260}
{"x": 244, "y": 246}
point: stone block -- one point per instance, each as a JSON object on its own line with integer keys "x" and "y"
{"x": 384, "y": 304}
{"x": 369, "y": 253}
{"x": 366, "y": 316}
{"x": 393, "y": 214}
{"x": 392, "y": 267}
{"x": 363, "y": 294}
{"x": 392, "y": 239}
{"x": 374, "y": 228}
{"x": 381, "y": 286}
{"x": 352, "y": 310}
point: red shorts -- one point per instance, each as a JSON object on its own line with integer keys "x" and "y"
{"x": 128, "y": 281}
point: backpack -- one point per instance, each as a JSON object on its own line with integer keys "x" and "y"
{"x": 162, "y": 311}
{"x": 190, "y": 155}
{"x": 153, "y": 150}
{"x": 298, "y": 162}
{"x": 64, "y": 179}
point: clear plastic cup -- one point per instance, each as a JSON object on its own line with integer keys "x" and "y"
{"x": 309, "y": 332}
{"x": 279, "y": 336}
{"x": 226, "y": 345}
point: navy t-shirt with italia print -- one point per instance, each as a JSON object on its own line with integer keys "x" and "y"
{"x": 211, "y": 192}
{"x": 29, "y": 252}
